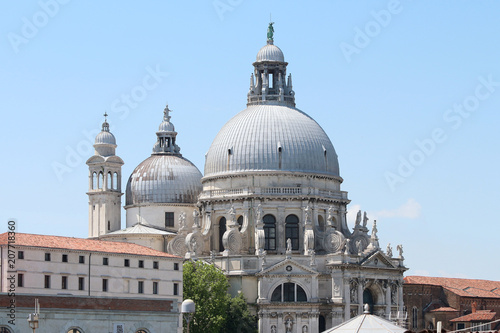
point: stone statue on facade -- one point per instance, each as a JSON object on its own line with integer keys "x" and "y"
{"x": 365, "y": 220}
{"x": 305, "y": 329}
{"x": 312, "y": 262}
{"x": 289, "y": 325}
{"x": 196, "y": 218}
{"x": 273, "y": 329}
{"x": 258, "y": 213}
{"x": 288, "y": 246}
{"x": 346, "y": 246}
{"x": 400, "y": 250}
{"x": 358, "y": 219}
{"x": 307, "y": 214}
{"x": 232, "y": 214}
{"x": 388, "y": 251}
{"x": 182, "y": 220}
{"x": 329, "y": 218}
{"x": 374, "y": 229}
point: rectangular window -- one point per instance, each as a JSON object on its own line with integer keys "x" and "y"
{"x": 169, "y": 219}
{"x": 105, "y": 261}
{"x": 64, "y": 282}
{"x": 81, "y": 259}
{"x": 460, "y": 326}
{"x": 176, "y": 266}
{"x": 20, "y": 280}
{"x": 155, "y": 288}
{"x": 64, "y": 258}
{"x": 81, "y": 283}
{"x": 47, "y": 281}
{"x": 140, "y": 287}
{"x": 155, "y": 265}
{"x": 20, "y": 254}
{"x": 141, "y": 263}
{"x": 47, "y": 256}
{"x": 176, "y": 289}
{"x": 104, "y": 284}
{"x": 126, "y": 262}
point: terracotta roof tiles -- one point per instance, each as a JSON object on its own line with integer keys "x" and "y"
{"x": 82, "y": 244}
{"x": 461, "y": 287}
{"x": 480, "y": 315}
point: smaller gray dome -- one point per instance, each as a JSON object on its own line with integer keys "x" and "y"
{"x": 270, "y": 52}
{"x": 105, "y": 137}
{"x": 164, "y": 179}
{"x": 166, "y": 126}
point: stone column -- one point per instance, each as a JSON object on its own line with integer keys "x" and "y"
{"x": 347, "y": 299}
{"x": 361, "y": 285}
{"x": 400, "y": 296}
{"x": 387, "y": 285}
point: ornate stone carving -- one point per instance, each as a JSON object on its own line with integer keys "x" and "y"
{"x": 333, "y": 242}
{"x": 358, "y": 244}
{"x": 177, "y": 246}
{"x": 232, "y": 241}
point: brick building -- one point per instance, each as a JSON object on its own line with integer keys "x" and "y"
{"x": 457, "y": 303}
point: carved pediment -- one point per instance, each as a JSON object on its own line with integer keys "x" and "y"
{"x": 288, "y": 267}
{"x": 377, "y": 259}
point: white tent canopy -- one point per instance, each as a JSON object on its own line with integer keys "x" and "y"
{"x": 366, "y": 323}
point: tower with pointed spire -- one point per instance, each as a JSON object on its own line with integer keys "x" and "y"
{"x": 105, "y": 170}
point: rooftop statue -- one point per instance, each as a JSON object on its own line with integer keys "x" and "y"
{"x": 270, "y": 32}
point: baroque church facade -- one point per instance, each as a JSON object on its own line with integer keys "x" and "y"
{"x": 268, "y": 210}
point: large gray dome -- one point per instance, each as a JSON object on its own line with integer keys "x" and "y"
{"x": 271, "y": 137}
{"x": 164, "y": 179}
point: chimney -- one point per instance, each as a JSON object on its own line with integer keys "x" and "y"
{"x": 474, "y": 306}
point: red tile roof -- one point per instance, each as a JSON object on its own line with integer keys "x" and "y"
{"x": 82, "y": 244}
{"x": 461, "y": 287}
{"x": 444, "y": 309}
{"x": 480, "y": 315}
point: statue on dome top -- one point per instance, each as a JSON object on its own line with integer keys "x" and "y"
{"x": 270, "y": 32}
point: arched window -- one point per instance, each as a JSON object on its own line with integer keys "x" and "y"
{"x": 222, "y": 230}
{"x": 5, "y": 330}
{"x": 414, "y": 318}
{"x": 110, "y": 179}
{"x": 288, "y": 292}
{"x": 321, "y": 223}
{"x": 368, "y": 299}
{"x": 74, "y": 330}
{"x": 240, "y": 222}
{"x": 94, "y": 180}
{"x": 322, "y": 323}
{"x": 292, "y": 230}
{"x": 115, "y": 181}
{"x": 269, "y": 232}
{"x": 101, "y": 179}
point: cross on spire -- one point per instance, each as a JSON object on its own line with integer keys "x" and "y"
{"x": 105, "y": 116}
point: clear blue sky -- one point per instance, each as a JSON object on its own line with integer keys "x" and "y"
{"x": 408, "y": 92}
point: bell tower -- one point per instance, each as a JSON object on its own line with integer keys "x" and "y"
{"x": 105, "y": 175}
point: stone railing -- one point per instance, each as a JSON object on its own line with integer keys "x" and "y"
{"x": 274, "y": 191}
